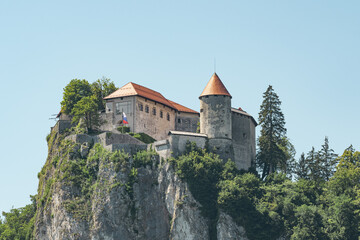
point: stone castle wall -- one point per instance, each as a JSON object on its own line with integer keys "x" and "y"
{"x": 243, "y": 132}
{"x": 186, "y": 122}
{"x": 155, "y": 125}
{"x": 215, "y": 116}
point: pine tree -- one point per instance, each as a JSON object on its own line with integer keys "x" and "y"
{"x": 320, "y": 165}
{"x": 302, "y": 168}
{"x": 315, "y": 166}
{"x": 328, "y": 160}
{"x": 271, "y": 155}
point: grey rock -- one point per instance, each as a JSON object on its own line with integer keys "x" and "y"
{"x": 227, "y": 229}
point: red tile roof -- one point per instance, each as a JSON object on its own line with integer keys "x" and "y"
{"x": 215, "y": 87}
{"x": 133, "y": 89}
{"x": 182, "y": 108}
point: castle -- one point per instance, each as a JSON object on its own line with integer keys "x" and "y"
{"x": 227, "y": 131}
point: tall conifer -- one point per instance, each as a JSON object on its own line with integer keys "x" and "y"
{"x": 302, "y": 168}
{"x": 328, "y": 160}
{"x": 271, "y": 155}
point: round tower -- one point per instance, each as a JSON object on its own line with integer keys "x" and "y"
{"x": 215, "y": 110}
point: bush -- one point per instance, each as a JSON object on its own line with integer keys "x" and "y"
{"x": 143, "y": 158}
{"x": 123, "y": 129}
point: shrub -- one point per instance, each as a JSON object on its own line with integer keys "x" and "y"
{"x": 143, "y": 158}
{"x": 123, "y": 129}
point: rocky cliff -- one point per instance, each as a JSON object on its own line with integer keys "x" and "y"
{"x": 88, "y": 192}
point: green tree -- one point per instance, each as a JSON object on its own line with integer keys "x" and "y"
{"x": 87, "y": 109}
{"x": 309, "y": 224}
{"x": 271, "y": 155}
{"x": 343, "y": 197}
{"x": 302, "y": 168}
{"x": 327, "y": 159}
{"x": 102, "y": 88}
{"x": 318, "y": 165}
{"x": 315, "y": 165}
{"x": 341, "y": 220}
{"x": 73, "y": 93}
{"x": 18, "y": 224}
{"x": 346, "y": 179}
{"x": 290, "y": 163}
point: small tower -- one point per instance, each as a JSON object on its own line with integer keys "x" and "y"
{"x": 215, "y": 117}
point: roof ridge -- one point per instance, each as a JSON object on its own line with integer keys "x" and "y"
{"x": 132, "y": 84}
{"x": 146, "y": 88}
{"x": 149, "y": 91}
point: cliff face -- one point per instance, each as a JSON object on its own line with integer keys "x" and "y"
{"x": 87, "y": 192}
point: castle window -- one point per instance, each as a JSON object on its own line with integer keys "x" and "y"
{"x": 179, "y": 120}
{"x": 121, "y": 107}
{"x": 201, "y": 110}
{"x": 141, "y": 107}
{"x": 154, "y": 111}
{"x": 146, "y": 108}
{"x": 161, "y": 113}
{"x": 168, "y": 117}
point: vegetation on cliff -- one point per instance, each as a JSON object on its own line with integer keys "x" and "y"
{"x": 67, "y": 167}
{"x": 304, "y": 209}
{"x": 309, "y": 208}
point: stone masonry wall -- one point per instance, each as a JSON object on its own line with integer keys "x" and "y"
{"x": 154, "y": 125}
{"x": 243, "y": 132}
{"x": 186, "y": 122}
{"x": 215, "y": 116}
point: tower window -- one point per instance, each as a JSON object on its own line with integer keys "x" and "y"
{"x": 141, "y": 107}
{"x": 161, "y": 114}
{"x": 147, "y": 109}
{"x": 168, "y": 116}
{"x": 201, "y": 110}
{"x": 154, "y": 111}
{"x": 179, "y": 120}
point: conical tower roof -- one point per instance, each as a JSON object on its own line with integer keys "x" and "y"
{"x": 215, "y": 87}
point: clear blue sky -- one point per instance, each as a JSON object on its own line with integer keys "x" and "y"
{"x": 308, "y": 50}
